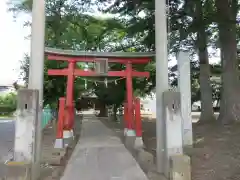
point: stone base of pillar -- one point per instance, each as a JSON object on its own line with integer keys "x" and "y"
{"x": 130, "y": 132}
{"x": 129, "y": 139}
{"x": 68, "y": 137}
{"x": 180, "y": 167}
{"x": 138, "y": 144}
{"x": 58, "y": 144}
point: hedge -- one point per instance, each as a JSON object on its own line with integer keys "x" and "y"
{"x": 7, "y": 109}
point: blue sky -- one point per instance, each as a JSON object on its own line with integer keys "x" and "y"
{"x": 14, "y": 45}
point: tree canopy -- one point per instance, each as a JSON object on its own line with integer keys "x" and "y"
{"x": 68, "y": 27}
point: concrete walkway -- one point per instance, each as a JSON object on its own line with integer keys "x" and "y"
{"x": 100, "y": 155}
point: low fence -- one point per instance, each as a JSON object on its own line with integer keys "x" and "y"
{"x": 47, "y": 116}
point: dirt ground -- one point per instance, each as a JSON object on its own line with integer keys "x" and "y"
{"x": 50, "y": 172}
{"x": 215, "y": 154}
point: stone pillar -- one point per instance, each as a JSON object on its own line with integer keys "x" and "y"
{"x": 36, "y": 70}
{"x": 25, "y": 127}
{"x": 184, "y": 86}
{"x": 161, "y": 78}
{"x": 173, "y": 127}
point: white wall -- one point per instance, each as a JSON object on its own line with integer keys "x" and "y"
{"x": 149, "y": 102}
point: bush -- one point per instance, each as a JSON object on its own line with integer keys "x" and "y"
{"x": 6, "y": 110}
{"x": 8, "y": 103}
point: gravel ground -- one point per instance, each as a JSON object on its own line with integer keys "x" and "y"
{"x": 216, "y": 152}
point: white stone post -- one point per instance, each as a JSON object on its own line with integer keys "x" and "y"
{"x": 36, "y": 68}
{"x": 184, "y": 86}
{"x": 173, "y": 126}
{"x": 161, "y": 79}
{"x": 25, "y": 125}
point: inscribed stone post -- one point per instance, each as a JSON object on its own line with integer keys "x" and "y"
{"x": 27, "y": 115}
{"x": 184, "y": 86}
{"x": 173, "y": 127}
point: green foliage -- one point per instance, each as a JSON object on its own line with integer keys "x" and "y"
{"x": 184, "y": 23}
{"x": 76, "y": 30}
{"x": 8, "y": 103}
{"x": 68, "y": 26}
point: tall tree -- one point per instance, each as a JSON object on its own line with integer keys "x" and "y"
{"x": 229, "y": 106}
{"x": 205, "y": 73}
{"x": 188, "y": 26}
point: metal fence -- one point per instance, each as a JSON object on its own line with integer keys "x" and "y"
{"x": 48, "y": 116}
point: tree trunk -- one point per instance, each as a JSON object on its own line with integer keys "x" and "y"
{"x": 229, "y": 105}
{"x": 207, "y": 114}
{"x": 103, "y": 111}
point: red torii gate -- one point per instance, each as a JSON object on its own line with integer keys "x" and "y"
{"x": 114, "y": 57}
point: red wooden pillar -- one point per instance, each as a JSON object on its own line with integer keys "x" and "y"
{"x": 129, "y": 95}
{"x": 60, "y": 123}
{"x": 69, "y": 97}
{"x": 138, "y": 120}
{"x": 125, "y": 116}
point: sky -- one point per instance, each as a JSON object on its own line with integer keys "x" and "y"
{"x": 14, "y": 44}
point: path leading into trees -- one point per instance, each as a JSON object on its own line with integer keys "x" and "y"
{"x": 101, "y": 155}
